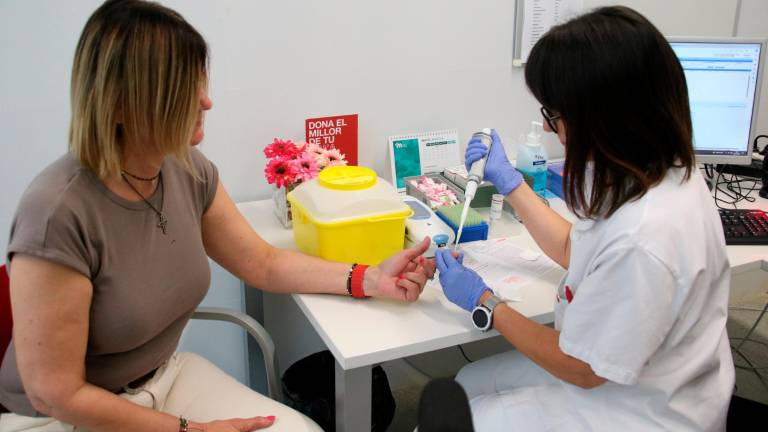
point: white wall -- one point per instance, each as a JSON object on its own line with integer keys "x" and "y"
{"x": 752, "y": 23}
{"x": 402, "y": 65}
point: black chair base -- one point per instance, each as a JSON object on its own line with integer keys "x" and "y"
{"x": 745, "y": 414}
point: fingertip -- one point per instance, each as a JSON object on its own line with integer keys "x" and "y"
{"x": 425, "y": 244}
{"x": 413, "y": 295}
{"x": 420, "y": 248}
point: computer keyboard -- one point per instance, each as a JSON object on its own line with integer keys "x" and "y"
{"x": 744, "y": 226}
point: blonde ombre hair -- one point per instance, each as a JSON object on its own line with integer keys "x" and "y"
{"x": 137, "y": 77}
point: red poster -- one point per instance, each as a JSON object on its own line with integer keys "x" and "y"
{"x": 336, "y": 131}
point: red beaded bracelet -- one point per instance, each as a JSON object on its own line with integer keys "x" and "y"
{"x": 356, "y": 281}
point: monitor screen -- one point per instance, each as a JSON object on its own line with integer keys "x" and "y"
{"x": 723, "y": 77}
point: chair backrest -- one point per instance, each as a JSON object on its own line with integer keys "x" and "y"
{"x": 6, "y": 320}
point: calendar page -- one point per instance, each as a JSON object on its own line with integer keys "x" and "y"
{"x": 422, "y": 153}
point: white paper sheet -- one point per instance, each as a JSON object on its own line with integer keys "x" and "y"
{"x": 540, "y": 15}
{"x": 505, "y": 267}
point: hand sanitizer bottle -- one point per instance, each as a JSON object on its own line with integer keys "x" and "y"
{"x": 532, "y": 160}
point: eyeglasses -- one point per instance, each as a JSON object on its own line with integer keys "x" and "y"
{"x": 550, "y": 118}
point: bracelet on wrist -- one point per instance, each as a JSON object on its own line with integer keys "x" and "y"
{"x": 356, "y": 281}
{"x": 183, "y": 424}
{"x": 349, "y": 278}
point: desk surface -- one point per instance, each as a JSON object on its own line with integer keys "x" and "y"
{"x": 367, "y": 332}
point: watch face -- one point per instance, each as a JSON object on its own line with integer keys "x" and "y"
{"x": 480, "y": 318}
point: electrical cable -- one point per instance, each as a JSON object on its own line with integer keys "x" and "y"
{"x": 730, "y": 189}
{"x": 463, "y": 353}
{"x": 755, "y": 147}
{"x": 748, "y": 338}
{"x": 430, "y": 377}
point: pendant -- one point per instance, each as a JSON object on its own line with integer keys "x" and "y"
{"x": 163, "y": 222}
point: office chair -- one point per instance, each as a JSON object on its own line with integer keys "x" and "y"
{"x": 247, "y": 323}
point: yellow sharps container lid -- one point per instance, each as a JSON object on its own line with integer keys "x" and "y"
{"x": 347, "y": 178}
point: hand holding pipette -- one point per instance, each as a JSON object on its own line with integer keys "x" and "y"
{"x": 476, "y": 171}
{"x": 498, "y": 170}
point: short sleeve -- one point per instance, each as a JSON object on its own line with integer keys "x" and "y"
{"x": 209, "y": 175}
{"x": 620, "y": 314}
{"x": 49, "y": 231}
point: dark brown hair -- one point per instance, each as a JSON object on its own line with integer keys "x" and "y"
{"x": 621, "y": 92}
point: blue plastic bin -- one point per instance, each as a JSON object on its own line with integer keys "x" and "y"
{"x": 555, "y": 179}
{"x": 469, "y": 233}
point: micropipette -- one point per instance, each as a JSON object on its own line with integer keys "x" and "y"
{"x": 474, "y": 178}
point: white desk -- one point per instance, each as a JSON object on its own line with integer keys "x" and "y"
{"x": 361, "y": 334}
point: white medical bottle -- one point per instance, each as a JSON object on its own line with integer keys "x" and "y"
{"x": 532, "y": 159}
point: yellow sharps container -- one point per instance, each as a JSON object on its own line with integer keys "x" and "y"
{"x": 348, "y": 214}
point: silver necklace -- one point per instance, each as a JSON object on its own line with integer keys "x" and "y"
{"x": 163, "y": 222}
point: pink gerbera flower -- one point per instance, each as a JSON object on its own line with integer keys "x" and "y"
{"x": 305, "y": 167}
{"x": 281, "y": 148}
{"x": 301, "y": 146}
{"x": 334, "y": 157}
{"x": 318, "y": 152}
{"x": 280, "y": 171}
{"x": 314, "y": 149}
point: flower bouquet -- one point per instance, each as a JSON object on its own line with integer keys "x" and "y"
{"x": 291, "y": 163}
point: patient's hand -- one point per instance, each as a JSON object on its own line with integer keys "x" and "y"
{"x": 402, "y": 276}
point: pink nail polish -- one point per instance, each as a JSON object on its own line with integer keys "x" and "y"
{"x": 271, "y": 418}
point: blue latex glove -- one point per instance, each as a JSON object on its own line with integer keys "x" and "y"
{"x": 461, "y": 285}
{"x": 498, "y": 170}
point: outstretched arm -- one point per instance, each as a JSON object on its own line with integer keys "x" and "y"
{"x": 231, "y": 242}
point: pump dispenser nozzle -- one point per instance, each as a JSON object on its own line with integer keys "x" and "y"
{"x": 534, "y": 136}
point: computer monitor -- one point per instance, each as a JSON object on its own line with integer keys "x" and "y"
{"x": 723, "y": 76}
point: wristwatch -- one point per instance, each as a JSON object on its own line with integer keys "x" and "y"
{"x": 482, "y": 314}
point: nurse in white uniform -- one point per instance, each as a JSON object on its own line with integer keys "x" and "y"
{"x": 639, "y": 341}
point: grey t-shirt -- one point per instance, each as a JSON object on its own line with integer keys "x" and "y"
{"x": 145, "y": 284}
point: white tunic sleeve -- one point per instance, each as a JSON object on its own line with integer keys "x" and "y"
{"x": 620, "y": 313}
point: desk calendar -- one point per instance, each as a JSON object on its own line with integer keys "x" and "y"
{"x": 421, "y": 153}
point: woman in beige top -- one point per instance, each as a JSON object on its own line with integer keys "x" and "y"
{"x": 109, "y": 247}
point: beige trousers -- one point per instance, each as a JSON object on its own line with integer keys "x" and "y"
{"x": 189, "y": 386}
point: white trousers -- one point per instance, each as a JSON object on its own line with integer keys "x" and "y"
{"x": 189, "y": 386}
{"x": 509, "y": 392}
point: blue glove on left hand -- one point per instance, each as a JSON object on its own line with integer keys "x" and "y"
{"x": 461, "y": 285}
{"x": 498, "y": 170}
